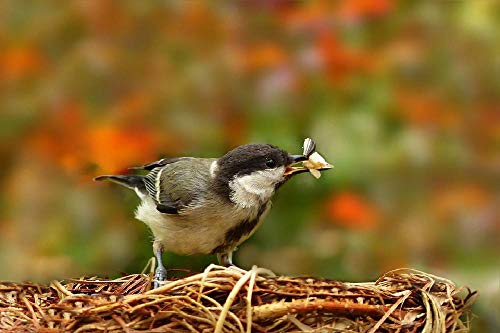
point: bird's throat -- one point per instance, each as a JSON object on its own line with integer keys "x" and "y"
{"x": 256, "y": 188}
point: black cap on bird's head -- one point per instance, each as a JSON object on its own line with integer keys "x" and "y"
{"x": 256, "y": 167}
{"x": 249, "y": 158}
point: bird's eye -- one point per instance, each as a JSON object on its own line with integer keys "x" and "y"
{"x": 270, "y": 163}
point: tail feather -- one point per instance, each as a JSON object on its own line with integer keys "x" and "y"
{"x": 131, "y": 181}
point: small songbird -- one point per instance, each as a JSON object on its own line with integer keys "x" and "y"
{"x": 209, "y": 205}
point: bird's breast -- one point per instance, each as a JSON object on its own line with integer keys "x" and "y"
{"x": 242, "y": 230}
{"x": 201, "y": 229}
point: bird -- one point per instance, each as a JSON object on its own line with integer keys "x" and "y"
{"x": 208, "y": 205}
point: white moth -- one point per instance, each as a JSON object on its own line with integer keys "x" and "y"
{"x": 315, "y": 163}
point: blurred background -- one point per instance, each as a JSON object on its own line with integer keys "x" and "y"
{"x": 401, "y": 96}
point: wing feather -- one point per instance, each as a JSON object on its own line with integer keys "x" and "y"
{"x": 177, "y": 184}
{"x": 160, "y": 163}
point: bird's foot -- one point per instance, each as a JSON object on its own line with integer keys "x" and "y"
{"x": 160, "y": 276}
{"x": 225, "y": 259}
{"x": 161, "y": 271}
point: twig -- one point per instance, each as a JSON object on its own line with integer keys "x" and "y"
{"x": 406, "y": 293}
{"x": 249, "y": 299}
{"x": 230, "y": 299}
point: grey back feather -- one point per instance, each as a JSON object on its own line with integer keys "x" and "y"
{"x": 176, "y": 185}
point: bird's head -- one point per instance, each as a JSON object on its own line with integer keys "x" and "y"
{"x": 256, "y": 169}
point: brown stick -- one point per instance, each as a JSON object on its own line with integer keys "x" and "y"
{"x": 276, "y": 310}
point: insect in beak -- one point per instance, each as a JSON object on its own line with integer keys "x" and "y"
{"x": 311, "y": 161}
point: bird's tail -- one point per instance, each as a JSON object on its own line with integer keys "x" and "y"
{"x": 131, "y": 181}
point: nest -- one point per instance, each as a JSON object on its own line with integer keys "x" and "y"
{"x": 232, "y": 300}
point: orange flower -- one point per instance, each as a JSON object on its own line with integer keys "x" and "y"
{"x": 21, "y": 61}
{"x": 455, "y": 200}
{"x": 70, "y": 141}
{"x": 134, "y": 105}
{"x": 423, "y": 108}
{"x": 352, "y": 211}
{"x": 308, "y": 14}
{"x": 58, "y": 137}
{"x": 114, "y": 149}
{"x": 353, "y": 10}
{"x": 339, "y": 60}
{"x": 263, "y": 56}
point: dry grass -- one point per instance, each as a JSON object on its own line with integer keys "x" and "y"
{"x": 231, "y": 300}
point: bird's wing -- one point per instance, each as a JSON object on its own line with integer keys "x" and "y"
{"x": 160, "y": 163}
{"x": 175, "y": 185}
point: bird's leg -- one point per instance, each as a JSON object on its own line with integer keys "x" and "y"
{"x": 161, "y": 271}
{"x": 225, "y": 259}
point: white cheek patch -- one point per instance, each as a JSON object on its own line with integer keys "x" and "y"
{"x": 255, "y": 188}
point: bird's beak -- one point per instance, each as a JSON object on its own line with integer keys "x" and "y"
{"x": 292, "y": 168}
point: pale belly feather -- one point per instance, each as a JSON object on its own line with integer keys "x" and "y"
{"x": 199, "y": 232}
